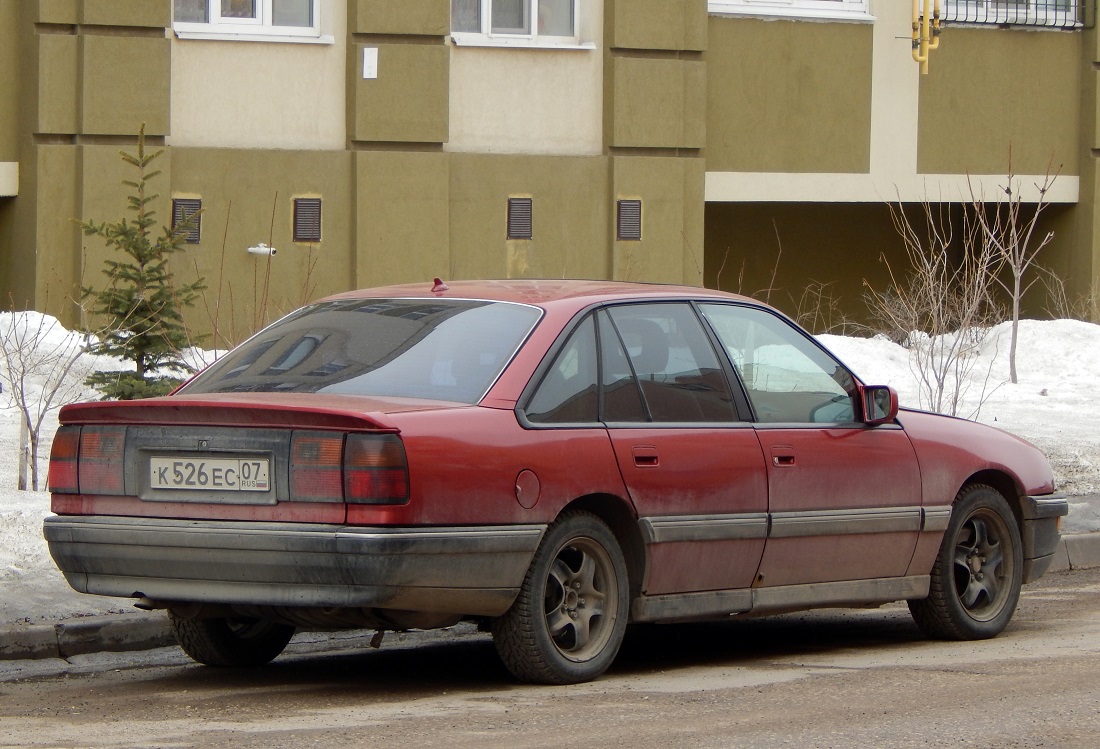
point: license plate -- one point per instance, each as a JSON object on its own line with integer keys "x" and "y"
{"x": 209, "y": 474}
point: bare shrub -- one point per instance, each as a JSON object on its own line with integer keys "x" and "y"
{"x": 1060, "y": 306}
{"x": 42, "y": 371}
{"x": 818, "y": 309}
{"x": 941, "y": 305}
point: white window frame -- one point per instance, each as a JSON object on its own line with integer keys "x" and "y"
{"x": 488, "y": 38}
{"x": 260, "y": 28}
{"x": 824, "y": 10}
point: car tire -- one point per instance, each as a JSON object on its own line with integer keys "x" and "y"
{"x": 235, "y": 641}
{"x": 568, "y": 621}
{"x": 976, "y": 579}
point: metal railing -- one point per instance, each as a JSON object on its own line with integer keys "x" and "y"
{"x": 1050, "y": 14}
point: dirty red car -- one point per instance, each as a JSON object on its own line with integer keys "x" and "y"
{"x": 552, "y": 459}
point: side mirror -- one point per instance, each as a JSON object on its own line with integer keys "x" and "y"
{"x": 880, "y": 404}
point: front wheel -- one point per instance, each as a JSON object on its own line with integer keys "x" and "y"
{"x": 976, "y": 580}
{"x": 568, "y": 621}
{"x": 231, "y": 641}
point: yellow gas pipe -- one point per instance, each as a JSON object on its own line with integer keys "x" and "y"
{"x": 926, "y": 30}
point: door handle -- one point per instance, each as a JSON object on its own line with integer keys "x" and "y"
{"x": 645, "y": 456}
{"x": 782, "y": 456}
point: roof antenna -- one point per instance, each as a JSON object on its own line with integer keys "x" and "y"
{"x": 439, "y": 286}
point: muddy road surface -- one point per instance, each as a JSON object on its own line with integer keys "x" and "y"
{"x": 848, "y": 679}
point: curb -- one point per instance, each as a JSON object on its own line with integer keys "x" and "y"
{"x": 1076, "y": 551}
{"x": 85, "y": 634}
{"x": 144, "y": 631}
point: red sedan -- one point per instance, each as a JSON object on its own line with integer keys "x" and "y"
{"x": 553, "y": 459}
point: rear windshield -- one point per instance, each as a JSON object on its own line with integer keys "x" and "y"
{"x": 449, "y": 350}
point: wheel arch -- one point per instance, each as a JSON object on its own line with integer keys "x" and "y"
{"x": 1005, "y": 485}
{"x": 620, "y": 518}
{"x": 1039, "y": 528}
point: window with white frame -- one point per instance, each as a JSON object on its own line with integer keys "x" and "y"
{"x": 257, "y": 18}
{"x": 523, "y": 21}
{"x": 840, "y": 10}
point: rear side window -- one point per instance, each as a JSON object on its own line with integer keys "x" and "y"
{"x": 653, "y": 363}
{"x": 443, "y": 349}
{"x": 567, "y": 393}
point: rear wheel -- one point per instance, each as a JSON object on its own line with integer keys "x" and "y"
{"x": 978, "y": 573}
{"x": 568, "y": 621}
{"x": 231, "y": 641}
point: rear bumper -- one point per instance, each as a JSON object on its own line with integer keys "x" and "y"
{"x": 456, "y": 570}
{"x": 1039, "y": 532}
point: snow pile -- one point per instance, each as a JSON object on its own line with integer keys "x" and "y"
{"x": 1052, "y": 406}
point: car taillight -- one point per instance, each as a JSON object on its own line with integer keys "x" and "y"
{"x": 63, "y": 460}
{"x": 358, "y": 468}
{"x": 316, "y": 467}
{"x": 375, "y": 469}
{"x": 101, "y": 467}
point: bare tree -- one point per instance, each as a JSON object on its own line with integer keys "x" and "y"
{"x": 1010, "y": 228}
{"x": 941, "y": 306}
{"x": 40, "y": 362}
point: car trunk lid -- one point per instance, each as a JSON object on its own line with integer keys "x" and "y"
{"x": 261, "y": 457}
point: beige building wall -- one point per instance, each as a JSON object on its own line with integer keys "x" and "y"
{"x": 280, "y": 95}
{"x": 530, "y": 101}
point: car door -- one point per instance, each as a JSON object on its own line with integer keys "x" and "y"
{"x": 693, "y": 467}
{"x": 843, "y": 496}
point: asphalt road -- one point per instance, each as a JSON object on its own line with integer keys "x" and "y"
{"x": 826, "y": 679}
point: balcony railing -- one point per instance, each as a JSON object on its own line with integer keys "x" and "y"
{"x": 1051, "y": 14}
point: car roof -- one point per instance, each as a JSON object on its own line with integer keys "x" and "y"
{"x": 546, "y": 293}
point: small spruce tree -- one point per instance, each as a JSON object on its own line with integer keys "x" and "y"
{"x": 140, "y": 304}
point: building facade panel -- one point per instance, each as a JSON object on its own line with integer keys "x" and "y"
{"x": 149, "y": 13}
{"x": 788, "y": 96}
{"x": 10, "y": 94}
{"x": 55, "y": 11}
{"x": 427, "y": 17}
{"x": 651, "y": 102}
{"x": 570, "y": 216}
{"x": 402, "y": 217}
{"x": 670, "y": 248}
{"x": 58, "y": 83}
{"x": 124, "y": 83}
{"x": 992, "y": 90}
{"x": 408, "y": 100}
{"x": 658, "y": 24}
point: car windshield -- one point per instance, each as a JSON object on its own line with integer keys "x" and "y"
{"x": 439, "y": 349}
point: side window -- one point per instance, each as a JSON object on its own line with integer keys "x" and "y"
{"x": 787, "y": 377}
{"x": 677, "y": 370}
{"x": 567, "y": 393}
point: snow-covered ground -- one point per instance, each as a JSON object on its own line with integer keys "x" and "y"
{"x": 1053, "y": 405}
